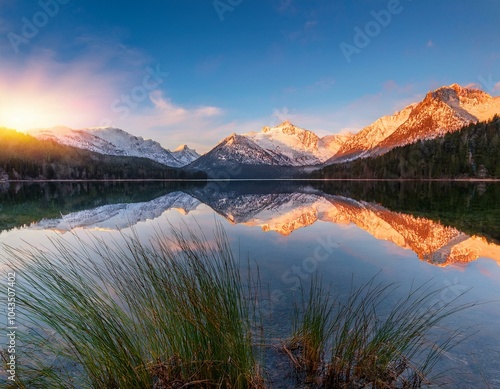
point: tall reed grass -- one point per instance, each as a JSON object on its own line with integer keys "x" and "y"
{"x": 174, "y": 312}
{"x": 168, "y": 314}
{"x": 355, "y": 344}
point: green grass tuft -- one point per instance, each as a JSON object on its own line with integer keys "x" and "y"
{"x": 174, "y": 313}
{"x": 353, "y": 345}
{"x": 134, "y": 315}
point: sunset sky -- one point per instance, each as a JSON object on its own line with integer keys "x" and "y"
{"x": 193, "y": 71}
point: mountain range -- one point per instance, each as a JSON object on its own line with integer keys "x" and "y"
{"x": 444, "y": 110}
{"x": 114, "y": 141}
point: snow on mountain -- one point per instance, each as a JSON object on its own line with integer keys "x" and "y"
{"x": 283, "y": 145}
{"x": 113, "y": 141}
{"x": 238, "y": 149}
{"x": 372, "y": 135}
{"x": 185, "y": 155}
{"x": 444, "y": 110}
{"x": 301, "y": 147}
{"x": 336, "y": 141}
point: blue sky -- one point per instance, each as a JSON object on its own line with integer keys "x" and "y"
{"x": 193, "y": 71}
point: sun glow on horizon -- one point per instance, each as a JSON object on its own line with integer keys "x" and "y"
{"x": 23, "y": 118}
{"x": 46, "y": 93}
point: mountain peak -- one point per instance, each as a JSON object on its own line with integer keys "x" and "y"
{"x": 182, "y": 148}
{"x": 232, "y": 136}
{"x": 185, "y": 155}
{"x": 286, "y": 123}
{"x": 465, "y": 95}
{"x": 286, "y": 128}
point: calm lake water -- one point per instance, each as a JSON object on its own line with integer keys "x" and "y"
{"x": 406, "y": 232}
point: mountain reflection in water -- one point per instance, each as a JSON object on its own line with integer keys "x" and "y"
{"x": 286, "y": 207}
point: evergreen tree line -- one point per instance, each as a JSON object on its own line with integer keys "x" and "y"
{"x": 23, "y": 157}
{"x": 472, "y": 152}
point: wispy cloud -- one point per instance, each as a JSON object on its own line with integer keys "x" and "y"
{"x": 172, "y": 124}
{"x": 362, "y": 111}
{"x": 325, "y": 83}
{"x": 165, "y": 112}
{"x": 284, "y": 114}
{"x": 102, "y": 86}
{"x": 430, "y": 44}
{"x": 351, "y": 117}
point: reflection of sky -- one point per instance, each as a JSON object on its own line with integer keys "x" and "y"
{"x": 354, "y": 255}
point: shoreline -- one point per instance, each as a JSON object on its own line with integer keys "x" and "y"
{"x": 260, "y": 179}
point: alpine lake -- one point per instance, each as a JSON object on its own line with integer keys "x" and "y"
{"x": 444, "y": 235}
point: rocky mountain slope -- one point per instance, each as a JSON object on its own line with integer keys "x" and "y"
{"x": 370, "y": 136}
{"x": 444, "y": 110}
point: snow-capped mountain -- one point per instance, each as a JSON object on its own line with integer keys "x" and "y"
{"x": 113, "y": 141}
{"x": 300, "y": 146}
{"x": 447, "y": 109}
{"x": 444, "y": 110}
{"x": 370, "y": 136}
{"x": 232, "y": 154}
{"x": 282, "y": 146}
{"x": 185, "y": 155}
